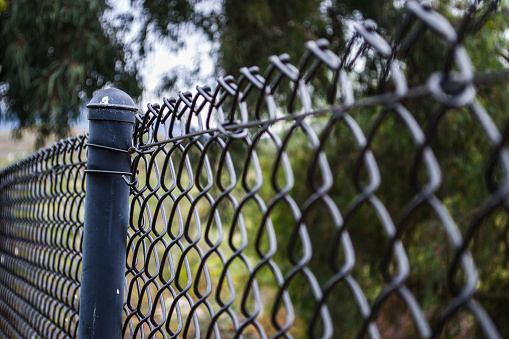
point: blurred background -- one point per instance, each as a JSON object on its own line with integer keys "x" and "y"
{"x": 55, "y": 54}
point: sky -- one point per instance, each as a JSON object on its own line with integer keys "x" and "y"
{"x": 162, "y": 59}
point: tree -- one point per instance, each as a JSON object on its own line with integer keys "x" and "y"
{"x": 53, "y": 56}
{"x": 246, "y": 33}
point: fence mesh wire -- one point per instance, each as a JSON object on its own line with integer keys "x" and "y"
{"x": 292, "y": 204}
{"x": 41, "y": 213}
{"x": 333, "y": 216}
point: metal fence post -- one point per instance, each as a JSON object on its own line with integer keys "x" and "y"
{"x": 111, "y": 121}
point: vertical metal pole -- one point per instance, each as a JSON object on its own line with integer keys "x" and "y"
{"x": 111, "y": 121}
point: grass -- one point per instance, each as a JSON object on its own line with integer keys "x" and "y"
{"x": 13, "y": 149}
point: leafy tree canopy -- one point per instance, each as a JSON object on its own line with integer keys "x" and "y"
{"x": 247, "y": 33}
{"x": 53, "y": 56}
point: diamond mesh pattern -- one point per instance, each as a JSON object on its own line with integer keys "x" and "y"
{"x": 318, "y": 220}
{"x": 42, "y": 199}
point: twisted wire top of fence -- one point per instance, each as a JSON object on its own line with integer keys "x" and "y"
{"x": 452, "y": 85}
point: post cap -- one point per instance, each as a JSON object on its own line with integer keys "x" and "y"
{"x": 111, "y": 104}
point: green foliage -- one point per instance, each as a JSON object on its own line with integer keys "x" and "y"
{"x": 255, "y": 30}
{"x": 54, "y": 55}
{"x": 168, "y": 19}
{"x": 246, "y": 33}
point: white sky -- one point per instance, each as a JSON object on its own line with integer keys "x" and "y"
{"x": 162, "y": 59}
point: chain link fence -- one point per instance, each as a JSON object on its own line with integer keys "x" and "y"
{"x": 41, "y": 211}
{"x": 295, "y": 204}
{"x": 334, "y": 216}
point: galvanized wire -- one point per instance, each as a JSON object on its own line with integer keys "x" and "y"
{"x": 41, "y": 213}
{"x": 224, "y": 242}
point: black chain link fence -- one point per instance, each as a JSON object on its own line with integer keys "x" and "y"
{"x": 348, "y": 212}
{"x": 333, "y": 217}
{"x": 41, "y": 211}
